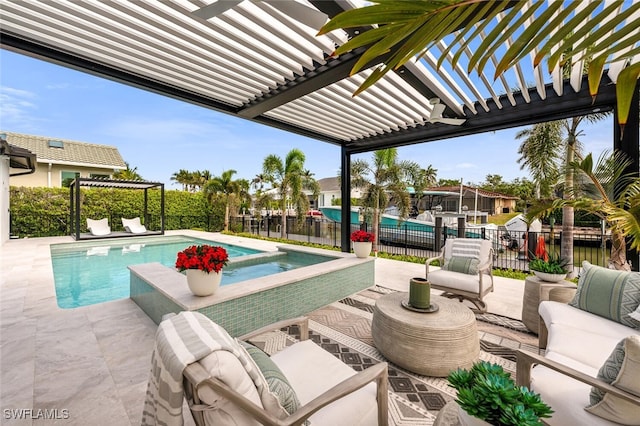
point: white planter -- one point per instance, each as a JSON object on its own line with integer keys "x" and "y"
{"x": 551, "y": 278}
{"x": 362, "y": 249}
{"x": 468, "y": 420}
{"x": 202, "y": 283}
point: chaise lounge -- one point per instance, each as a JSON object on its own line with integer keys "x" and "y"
{"x": 99, "y": 227}
{"x": 133, "y": 225}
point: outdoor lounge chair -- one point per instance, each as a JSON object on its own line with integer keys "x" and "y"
{"x": 229, "y": 386}
{"x": 99, "y": 227}
{"x": 133, "y": 225}
{"x": 466, "y": 270}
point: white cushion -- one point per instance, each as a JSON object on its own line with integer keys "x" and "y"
{"x": 456, "y": 280}
{"x": 580, "y": 335}
{"x": 311, "y": 371}
{"x": 226, "y": 367}
{"x": 485, "y": 247}
{"x": 567, "y": 397}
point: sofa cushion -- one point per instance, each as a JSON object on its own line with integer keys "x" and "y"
{"x": 465, "y": 265}
{"x": 278, "y": 383}
{"x": 622, "y": 370}
{"x": 454, "y": 280}
{"x": 312, "y": 370}
{"x": 580, "y": 335}
{"x": 608, "y": 293}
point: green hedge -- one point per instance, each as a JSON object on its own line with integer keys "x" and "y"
{"x": 39, "y": 212}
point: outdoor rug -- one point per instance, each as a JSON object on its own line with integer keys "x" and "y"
{"x": 344, "y": 329}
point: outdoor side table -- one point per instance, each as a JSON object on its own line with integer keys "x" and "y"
{"x": 431, "y": 344}
{"x": 531, "y": 299}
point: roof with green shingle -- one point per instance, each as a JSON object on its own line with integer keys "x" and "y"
{"x": 64, "y": 151}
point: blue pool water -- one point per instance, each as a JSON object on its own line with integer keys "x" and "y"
{"x": 89, "y": 273}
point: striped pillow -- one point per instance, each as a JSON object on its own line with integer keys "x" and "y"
{"x": 608, "y": 293}
{"x": 466, "y": 247}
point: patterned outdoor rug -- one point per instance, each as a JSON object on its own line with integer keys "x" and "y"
{"x": 344, "y": 329}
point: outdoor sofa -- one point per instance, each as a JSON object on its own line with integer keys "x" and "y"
{"x": 591, "y": 342}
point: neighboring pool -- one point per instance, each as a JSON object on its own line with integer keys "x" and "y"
{"x": 96, "y": 272}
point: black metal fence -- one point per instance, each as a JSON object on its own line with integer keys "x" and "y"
{"x": 512, "y": 249}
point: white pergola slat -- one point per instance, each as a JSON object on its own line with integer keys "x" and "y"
{"x": 255, "y": 61}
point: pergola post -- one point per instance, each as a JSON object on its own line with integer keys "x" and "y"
{"x": 628, "y": 142}
{"x": 345, "y": 194}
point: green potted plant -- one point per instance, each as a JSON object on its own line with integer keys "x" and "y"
{"x": 552, "y": 270}
{"x": 487, "y": 392}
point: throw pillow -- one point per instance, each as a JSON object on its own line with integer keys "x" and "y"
{"x": 278, "y": 383}
{"x": 621, "y": 370}
{"x": 466, "y": 247}
{"x": 608, "y": 293}
{"x": 465, "y": 265}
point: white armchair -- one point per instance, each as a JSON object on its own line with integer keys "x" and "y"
{"x": 465, "y": 270}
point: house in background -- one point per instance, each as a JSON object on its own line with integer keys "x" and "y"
{"x": 59, "y": 161}
{"x": 485, "y": 201}
{"x": 330, "y": 190}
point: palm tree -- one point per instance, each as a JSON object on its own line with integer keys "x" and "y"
{"x": 290, "y": 178}
{"x": 389, "y": 177}
{"x": 128, "y": 173}
{"x": 594, "y": 191}
{"x": 403, "y": 29}
{"x": 229, "y": 188}
{"x": 182, "y": 177}
{"x": 539, "y": 152}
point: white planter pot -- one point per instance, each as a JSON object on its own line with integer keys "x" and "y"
{"x": 362, "y": 250}
{"x": 202, "y": 283}
{"x": 468, "y": 420}
{"x": 552, "y": 278}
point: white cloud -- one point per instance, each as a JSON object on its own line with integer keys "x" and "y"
{"x": 17, "y": 107}
{"x": 466, "y": 166}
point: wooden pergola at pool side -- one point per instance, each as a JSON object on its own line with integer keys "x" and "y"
{"x": 75, "y": 205}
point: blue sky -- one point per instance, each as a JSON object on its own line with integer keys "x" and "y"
{"x": 160, "y": 135}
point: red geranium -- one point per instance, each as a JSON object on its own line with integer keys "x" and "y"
{"x": 362, "y": 237}
{"x": 205, "y": 258}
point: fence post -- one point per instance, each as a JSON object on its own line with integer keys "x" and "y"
{"x": 436, "y": 235}
{"x": 461, "y": 227}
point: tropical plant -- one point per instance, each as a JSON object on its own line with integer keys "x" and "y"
{"x": 203, "y": 257}
{"x": 229, "y": 188}
{"x": 554, "y": 265}
{"x": 489, "y": 393}
{"x": 604, "y": 189}
{"x": 561, "y": 32}
{"x": 290, "y": 178}
{"x": 540, "y": 153}
{"x": 128, "y": 173}
{"x": 389, "y": 178}
{"x": 182, "y": 177}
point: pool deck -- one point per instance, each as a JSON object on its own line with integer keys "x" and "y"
{"x": 93, "y": 361}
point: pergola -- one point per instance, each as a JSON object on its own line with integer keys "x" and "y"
{"x": 262, "y": 61}
{"x": 75, "y": 204}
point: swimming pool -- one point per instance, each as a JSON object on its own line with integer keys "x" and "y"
{"x": 90, "y": 273}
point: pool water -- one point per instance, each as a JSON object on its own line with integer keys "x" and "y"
{"x": 90, "y": 273}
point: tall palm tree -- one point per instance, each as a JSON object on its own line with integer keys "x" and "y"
{"x": 386, "y": 177}
{"x": 290, "y": 178}
{"x": 539, "y": 152}
{"x": 229, "y": 188}
{"x": 594, "y": 191}
{"x": 561, "y": 32}
{"x": 128, "y": 173}
{"x": 182, "y": 177}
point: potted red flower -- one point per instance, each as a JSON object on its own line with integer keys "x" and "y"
{"x": 204, "y": 265}
{"x": 362, "y": 243}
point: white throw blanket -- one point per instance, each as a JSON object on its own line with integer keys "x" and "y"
{"x": 180, "y": 341}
